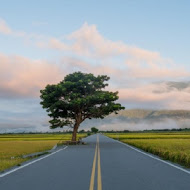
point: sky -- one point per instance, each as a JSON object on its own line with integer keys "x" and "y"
{"x": 142, "y": 45}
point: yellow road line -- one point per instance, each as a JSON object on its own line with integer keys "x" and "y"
{"x": 99, "y": 169}
{"x": 96, "y": 158}
{"x": 93, "y": 169}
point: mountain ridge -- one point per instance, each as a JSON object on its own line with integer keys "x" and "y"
{"x": 152, "y": 114}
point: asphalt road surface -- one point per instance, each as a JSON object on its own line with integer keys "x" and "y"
{"x": 102, "y": 164}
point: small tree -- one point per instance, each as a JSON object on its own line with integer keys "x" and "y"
{"x": 78, "y": 97}
{"x": 94, "y": 130}
{"x": 82, "y": 131}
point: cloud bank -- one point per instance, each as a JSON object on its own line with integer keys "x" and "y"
{"x": 22, "y": 77}
{"x": 136, "y": 73}
{"x": 144, "y": 78}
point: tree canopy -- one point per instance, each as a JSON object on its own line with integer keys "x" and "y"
{"x": 94, "y": 130}
{"x": 78, "y": 97}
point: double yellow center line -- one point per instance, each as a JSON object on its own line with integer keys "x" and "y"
{"x": 99, "y": 178}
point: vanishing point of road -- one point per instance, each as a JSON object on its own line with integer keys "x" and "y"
{"x": 102, "y": 164}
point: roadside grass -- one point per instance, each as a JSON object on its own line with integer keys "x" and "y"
{"x": 169, "y": 146}
{"x": 163, "y": 135}
{"x": 13, "y": 147}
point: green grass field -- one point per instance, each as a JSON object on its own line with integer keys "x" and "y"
{"x": 173, "y": 146}
{"x": 13, "y": 147}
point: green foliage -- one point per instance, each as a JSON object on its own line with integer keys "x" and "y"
{"x": 78, "y": 97}
{"x": 94, "y": 130}
{"x": 88, "y": 133}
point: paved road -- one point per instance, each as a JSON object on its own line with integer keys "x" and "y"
{"x": 102, "y": 164}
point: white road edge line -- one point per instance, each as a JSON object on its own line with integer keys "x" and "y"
{"x": 9, "y": 172}
{"x": 170, "y": 164}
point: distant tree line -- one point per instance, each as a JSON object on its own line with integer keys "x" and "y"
{"x": 145, "y": 131}
{"x": 105, "y": 131}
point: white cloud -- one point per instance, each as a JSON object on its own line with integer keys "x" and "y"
{"x": 87, "y": 41}
{"x": 156, "y": 95}
{"x": 20, "y": 76}
{"x": 132, "y": 70}
{"x": 4, "y": 28}
{"x": 135, "y": 62}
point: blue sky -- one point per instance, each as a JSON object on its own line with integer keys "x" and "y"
{"x": 155, "y": 25}
{"x": 142, "y": 45}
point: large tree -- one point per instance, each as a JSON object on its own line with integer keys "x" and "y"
{"x": 78, "y": 97}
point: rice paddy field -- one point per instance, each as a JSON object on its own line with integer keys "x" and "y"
{"x": 173, "y": 146}
{"x": 14, "y": 146}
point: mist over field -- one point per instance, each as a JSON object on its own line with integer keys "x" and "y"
{"x": 132, "y": 119}
{"x": 137, "y": 119}
{"x": 140, "y": 124}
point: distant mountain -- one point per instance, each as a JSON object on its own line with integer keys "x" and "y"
{"x": 153, "y": 114}
{"x": 140, "y": 119}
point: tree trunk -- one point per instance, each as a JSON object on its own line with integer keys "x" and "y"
{"x": 75, "y": 129}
